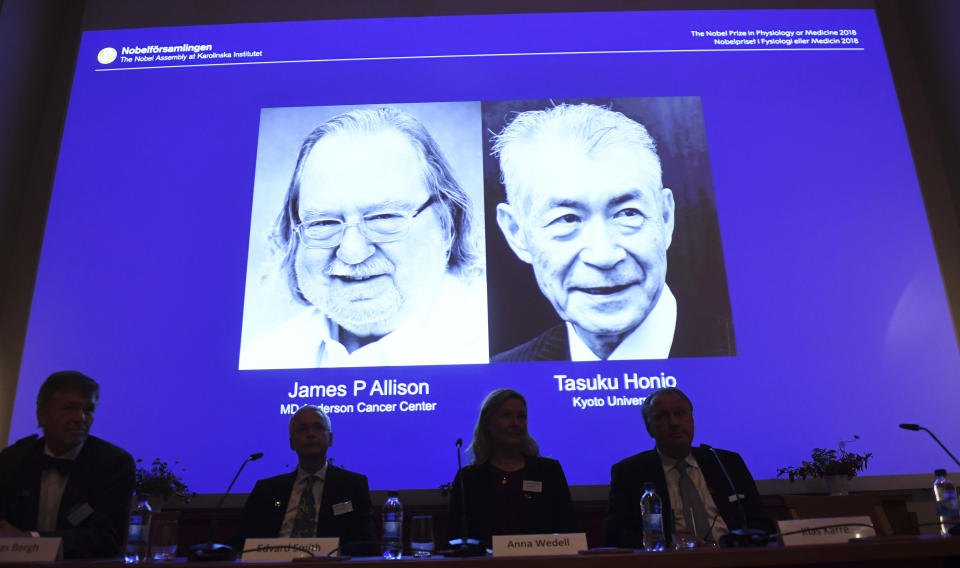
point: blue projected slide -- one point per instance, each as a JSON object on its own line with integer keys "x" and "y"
{"x": 230, "y": 236}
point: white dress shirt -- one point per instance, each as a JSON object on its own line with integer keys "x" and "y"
{"x": 52, "y": 485}
{"x": 450, "y": 330}
{"x": 673, "y": 489}
{"x": 298, "y": 485}
{"x": 651, "y": 339}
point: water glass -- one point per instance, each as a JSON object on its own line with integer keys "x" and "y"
{"x": 684, "y": 540}
{"x": 164, "y": 544}
{"x": 421, "y": 536}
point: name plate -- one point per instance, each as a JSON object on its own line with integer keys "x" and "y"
{"x": 287, "y": 548}
{"x": 539, "y": 544}
{"x": 816, "y": 531}
{"x": 29, "y": 549}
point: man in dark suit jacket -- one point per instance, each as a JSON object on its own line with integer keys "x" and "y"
{"x": 668, "y": 415}
{"x": 696, "y": 335}
{"x": 67, "y": 484}
{"x": 281, "y": 506}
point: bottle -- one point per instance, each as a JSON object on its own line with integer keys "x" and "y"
{"x": 137, "y": 544}
{"x": 392, "y": 527}
{"x": 651, "y": 508}
{"x": 945, "y": 494}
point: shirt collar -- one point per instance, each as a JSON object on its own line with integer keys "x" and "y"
{"x": 321, "y": 474}
{"x": 670, "y": 463}
{"x": 651, "y": 339}
{"x": 68, "y": 455}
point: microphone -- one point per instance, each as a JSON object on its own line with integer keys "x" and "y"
{"x": 464, "y": 546}
{"x": 737, "y": 538}
{"x": 212, "y": 551}
{"x": 955, "y": 530}
{"x": 917, "y": 428}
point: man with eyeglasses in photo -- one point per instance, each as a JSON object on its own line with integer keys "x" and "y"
{"x": 375, "y": 238}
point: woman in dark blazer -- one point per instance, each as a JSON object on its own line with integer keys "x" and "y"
{"x": 508, "y": 488}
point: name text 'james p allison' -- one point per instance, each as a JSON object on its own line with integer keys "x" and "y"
{"x": 386, "y": 387}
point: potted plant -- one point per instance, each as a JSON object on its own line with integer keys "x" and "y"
{"x": 161, "y": 482}
{"x": 836, "y": 467}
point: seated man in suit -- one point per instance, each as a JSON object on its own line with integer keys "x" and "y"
{"x": 67, "y": 484}
{"x": 697, "y": 498}
{"x": 317, "y": 499}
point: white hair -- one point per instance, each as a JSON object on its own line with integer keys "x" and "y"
{"x": 315, "y": 408}
{"x": 588, "y": 128}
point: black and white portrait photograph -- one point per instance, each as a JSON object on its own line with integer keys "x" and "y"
{"x": 603, "y": 241}
{"x": 366, "y": 238}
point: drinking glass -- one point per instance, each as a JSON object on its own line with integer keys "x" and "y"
{"x": 165, "y": 533}
{"x": 421, "y": 536}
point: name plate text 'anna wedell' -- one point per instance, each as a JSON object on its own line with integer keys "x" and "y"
{"x": 539, "y": 544}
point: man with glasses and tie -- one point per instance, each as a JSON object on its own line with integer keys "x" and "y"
{"x": 375, "y": 238}
{"x": 67, "y": 484}
{"x": 698, "y": 500}
{"x": 317, "y": 500}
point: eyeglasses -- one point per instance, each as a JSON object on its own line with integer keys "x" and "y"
{"x": 315, "y": 427}
{"x": 378, "y": 227}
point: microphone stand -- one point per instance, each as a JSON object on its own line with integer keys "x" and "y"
{"x": 955, "y": 530}
{"x": 211, "y": 551}
{"x": 916, "y": 427}
{"x": 738, "y": 538}
{"x": 466, "y": 546}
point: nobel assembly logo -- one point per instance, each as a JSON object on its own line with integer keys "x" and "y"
{"x": 107, "y": 55}
{"x": 149, "y": 53}
{"x": 137, "y": 50}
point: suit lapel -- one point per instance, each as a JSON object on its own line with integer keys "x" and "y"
{"x": 29, "y": 497}
{"x": 332, "y": 486}
{"x": 77, "y": 484}
{"x": 531, "y": 501}
{"x": 282, "y": 491}
{"x": 656, "y": 467}
{"x": 556, "y": 345}
{"x": 716, "y": 484}
{"x": 325, "y": 518}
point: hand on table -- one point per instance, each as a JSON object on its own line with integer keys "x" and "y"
{"x": 6, "y": 529}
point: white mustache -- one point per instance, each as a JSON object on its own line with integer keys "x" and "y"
{"x": 373, "y": 266}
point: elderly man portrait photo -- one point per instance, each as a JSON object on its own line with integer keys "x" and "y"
{"x": 600, "y": 198}
{"x": 366, "y": 243}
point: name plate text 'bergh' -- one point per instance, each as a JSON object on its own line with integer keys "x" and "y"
{"x": 29, "y": 549}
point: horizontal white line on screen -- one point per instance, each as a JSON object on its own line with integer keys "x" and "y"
{"x": 467, "y": 55}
